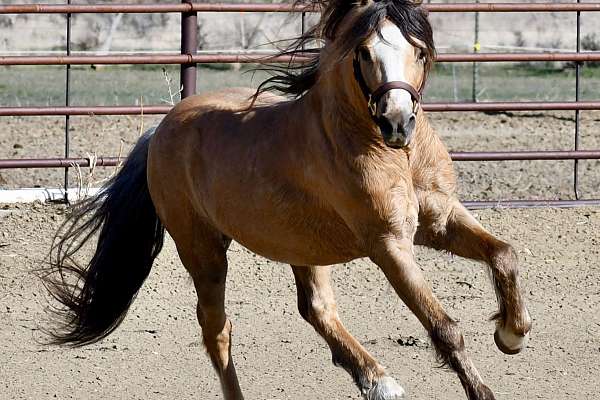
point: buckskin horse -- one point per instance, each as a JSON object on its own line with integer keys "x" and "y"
{"x": 345, "y": 166}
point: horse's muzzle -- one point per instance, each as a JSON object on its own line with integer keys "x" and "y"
{"x": 397, "y": 134}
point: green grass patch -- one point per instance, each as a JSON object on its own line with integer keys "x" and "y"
{"x": 126, "y": 85}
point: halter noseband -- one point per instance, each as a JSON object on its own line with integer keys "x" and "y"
{"x": 374, "y": 97}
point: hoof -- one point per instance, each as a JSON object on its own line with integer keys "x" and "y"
{"x": 509, "y": 343}
{"x": 385, "y": 388}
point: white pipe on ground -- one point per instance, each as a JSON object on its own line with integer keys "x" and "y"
{"x": 44, "y": 195}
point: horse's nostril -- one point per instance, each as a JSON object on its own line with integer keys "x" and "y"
{"x": 383, "y": 107}
{"x": 410, "y": 124}
{"x": 385, "y": 125}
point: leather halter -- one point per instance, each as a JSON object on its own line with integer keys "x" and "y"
{"x": 374, "y": 96}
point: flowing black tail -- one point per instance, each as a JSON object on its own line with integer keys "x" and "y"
{"x": 95, "y": 297}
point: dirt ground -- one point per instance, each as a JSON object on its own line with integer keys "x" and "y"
{"x": 156, "y": 353}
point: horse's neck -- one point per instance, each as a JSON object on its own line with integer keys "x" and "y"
{"x": 424, "y": 132}
{"x": 343, "y": 116}
{"x": 345, "y": 123}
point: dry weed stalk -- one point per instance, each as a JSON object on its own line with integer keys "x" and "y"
{"x": 172, "y": 95}
{"x": 84, "y": 183}
{"x": 141, "y": 130}
{"x": 119, "y": 158}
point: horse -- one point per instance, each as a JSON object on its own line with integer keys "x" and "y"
{"x": 344, "y": 165}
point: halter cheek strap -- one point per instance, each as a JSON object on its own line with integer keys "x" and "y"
{"x": 374, "y": 97}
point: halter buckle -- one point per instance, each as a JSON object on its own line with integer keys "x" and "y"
{"x": 372, "y": 105}
{"x": 416, "y": 106}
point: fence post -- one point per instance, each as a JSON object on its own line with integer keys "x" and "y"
{"x": 476, "y": 48}
{"x": 577, "y": 113}
{"x": 67, "y": 103}
{"x": 189, "y": 46}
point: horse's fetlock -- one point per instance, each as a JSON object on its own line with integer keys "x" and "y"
{"x": 521, "y": 324}
{"x": 481, "y": 392}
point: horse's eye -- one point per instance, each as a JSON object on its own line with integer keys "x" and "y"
{"x": 421, "y": 55}
{"x": 365, "y": 54}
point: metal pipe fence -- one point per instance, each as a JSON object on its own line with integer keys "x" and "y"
{"x": 188, "y": 60}
{"x": 429, "y": 107}
{"x": 230, "y": 7}
{"x": 456, "y": 156}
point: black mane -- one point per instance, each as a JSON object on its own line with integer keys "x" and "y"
{"x": 296, "y": 79}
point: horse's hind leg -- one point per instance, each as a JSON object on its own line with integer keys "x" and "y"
{"x": 204, "y": 257}
{"x": 459, "y": 232}
{"x": 316, "y": 303}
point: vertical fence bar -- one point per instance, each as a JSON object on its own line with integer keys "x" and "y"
{"x": 189, "y": 45}
{"x": 577, "y": 112}
{"x": 67, "y": 103}
{"x": 476, "y": 48}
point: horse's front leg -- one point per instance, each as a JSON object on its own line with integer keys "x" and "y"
{"x": 457, "y": 231}
{"x": 395, "y": 257}
{"x": 316, "y": 303}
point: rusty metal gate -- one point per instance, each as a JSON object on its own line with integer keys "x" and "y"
{"x": 188, "y": 59}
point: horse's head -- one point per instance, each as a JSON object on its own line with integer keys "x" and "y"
{"x": 380, "y": 51}
{"x": 390, "y": 44}
{"x": 390, "y": 72}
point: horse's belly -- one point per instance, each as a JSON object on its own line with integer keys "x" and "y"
{"x": 306, "y": 238}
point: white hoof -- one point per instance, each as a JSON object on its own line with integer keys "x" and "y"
{"x": 508, "y": 342}
{"x": 385, "y": 388}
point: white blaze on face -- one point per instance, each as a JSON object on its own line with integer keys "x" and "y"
{"x": 394, "y": 54}
{"x": 394, "y": 59}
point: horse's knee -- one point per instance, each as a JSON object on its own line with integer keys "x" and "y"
{"x": 447, "y": 339}
{"x": 316, "y": 308}
{"x": 313, "y": 312}
{"x": 321, "y": 313}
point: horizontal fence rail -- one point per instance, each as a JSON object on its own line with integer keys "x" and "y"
{"x": 252, "y": 58}
{"x": 478, "y": 205}
{"x": 146, "y": 59}
{"x": 429, "y": 107}
{"x": 188, "y": 59}
{"x": 83, "y": 110}
{"x": 229, "y": 7}
{"x": 526, "y": 155}
{"x": 456, "y": 156}
{"x": 513, "y": 106}
{"x": 59, "y": 162}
